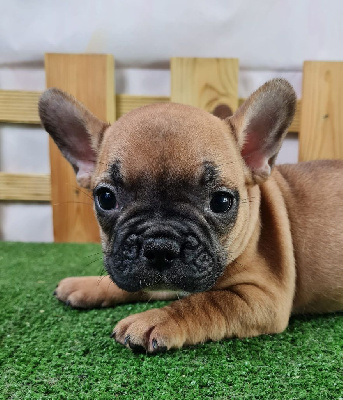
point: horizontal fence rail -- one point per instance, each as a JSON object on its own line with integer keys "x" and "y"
{"x": 20, "y": 107}
{"x": 25, "y": 187}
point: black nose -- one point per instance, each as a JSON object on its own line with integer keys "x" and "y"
{"x": 161, "y": 252}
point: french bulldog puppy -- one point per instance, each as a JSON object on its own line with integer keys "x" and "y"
{"x": 191, "y": 207}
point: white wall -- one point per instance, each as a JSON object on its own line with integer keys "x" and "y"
{"x": 271, "y": 38}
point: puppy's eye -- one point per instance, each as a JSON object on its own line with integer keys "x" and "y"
{"x": 105, "y": 199}
{"x": 221, "y": 202}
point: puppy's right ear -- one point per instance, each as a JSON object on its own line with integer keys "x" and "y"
{"x": 260, "y": 125}
{"x": 75, "y": 130}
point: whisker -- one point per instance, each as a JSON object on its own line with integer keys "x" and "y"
{"x": 72, "y": 202}
{"x": 85, "y": 192}
{"x": 94, "y": 254}
{"x": 101, "y": 278}
{"x": 149, "y": 300}
{"x": 92, "y": 262}
{"x": 109, "y": 283}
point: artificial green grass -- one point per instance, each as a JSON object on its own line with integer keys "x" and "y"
{"x": 50, "y": 351}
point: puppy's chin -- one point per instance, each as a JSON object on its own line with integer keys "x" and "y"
{"x": 142, "y": 277}
{"x": 178, "y": 293}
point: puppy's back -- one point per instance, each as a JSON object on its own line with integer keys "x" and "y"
{"x": 313, "y": 193}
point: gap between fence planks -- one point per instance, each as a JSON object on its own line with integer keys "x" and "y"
{"x": 20, "y": 107}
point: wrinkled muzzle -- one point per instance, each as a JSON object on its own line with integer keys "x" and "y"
{"x": 169, "y": 254}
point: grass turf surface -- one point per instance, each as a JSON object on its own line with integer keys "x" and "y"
{"x": 50, "y": 351}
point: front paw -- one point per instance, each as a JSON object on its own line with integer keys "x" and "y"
{"x": 151, "y": 331}
{"x": 84, "y": 292}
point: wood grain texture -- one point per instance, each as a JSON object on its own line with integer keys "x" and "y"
{"x": 321, "y": 128}
{"x": 126, "y": 103}
{"x": 295, "y": 125}
{"x": 20, "y": 107}
{"x": 25, "y": 187}
{"x": 205, "y": 82}
{"x": 90, "y": 78}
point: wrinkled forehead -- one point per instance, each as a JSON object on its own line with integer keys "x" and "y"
{"x": 167, "y": 140}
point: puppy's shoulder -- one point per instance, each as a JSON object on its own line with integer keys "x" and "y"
{"x": 309, "y": 180}
{"x": 323, "y": 170}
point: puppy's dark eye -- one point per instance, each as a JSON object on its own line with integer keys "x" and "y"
{"x": 221, "y": 202}
{"x": 105, "y": 199}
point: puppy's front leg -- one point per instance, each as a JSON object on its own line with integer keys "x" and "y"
{"x": 241, "y": 311}
{"x": 100, "y": 291}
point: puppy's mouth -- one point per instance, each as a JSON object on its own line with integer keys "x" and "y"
{"x": 169, "y": 255}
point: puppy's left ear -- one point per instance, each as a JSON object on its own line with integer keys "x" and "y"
{"x": 76, "y": 131}
{"x": 260, "y": 125}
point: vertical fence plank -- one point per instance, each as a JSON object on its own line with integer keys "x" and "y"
{"x": 321, "y": 126}
{"x": 90, "y": 78}
{"x": 205, "y": 82}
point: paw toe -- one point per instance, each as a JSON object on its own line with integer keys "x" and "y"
{"x": 158, "y": 347}
{"x": 141, "y": 335}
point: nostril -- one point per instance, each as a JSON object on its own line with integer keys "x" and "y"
{"x": 153, "y": 255}
{"x": 149, "y": 254}
{"x": 161, "y": 251}
{"x": 170, "y": 255}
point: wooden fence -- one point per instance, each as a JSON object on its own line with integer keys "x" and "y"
{"x": 203, "y": 83}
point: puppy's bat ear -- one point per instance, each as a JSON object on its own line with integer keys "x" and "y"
{"x": 260, "y": 125}
{"x": 75, "y": 130}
